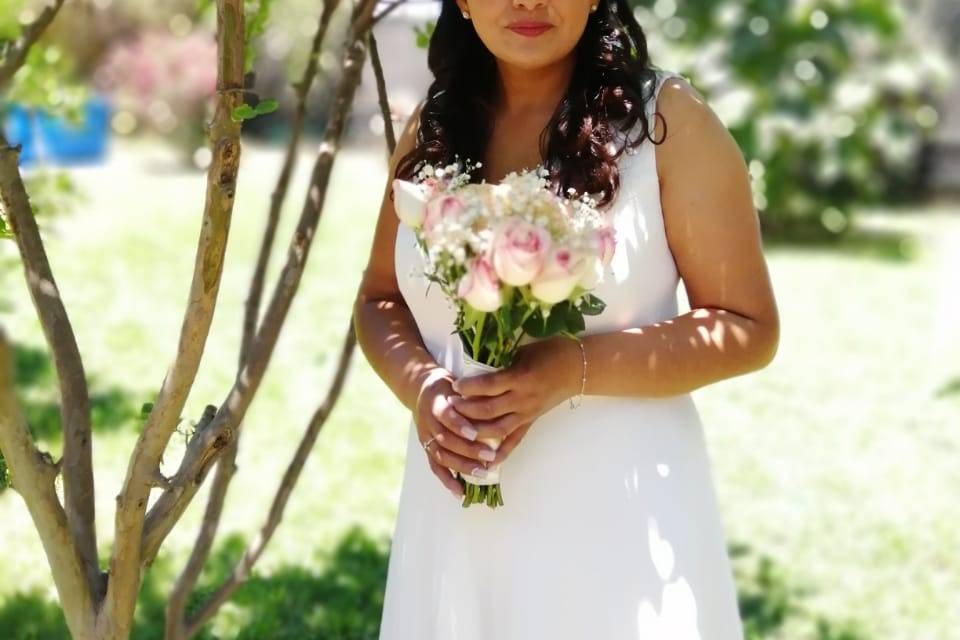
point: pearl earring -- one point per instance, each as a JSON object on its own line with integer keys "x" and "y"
{"x": 465, "y": 15}
{"x": 593, "y": 8}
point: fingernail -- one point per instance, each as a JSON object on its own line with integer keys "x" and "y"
{"x": 456, "y": 387}
{"x": 480, "y": 472}
{"x": 488, "y": 455}
{"x": 469, "y": 432}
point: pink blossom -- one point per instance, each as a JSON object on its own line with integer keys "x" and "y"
{"x": 519, "y": 250}
{"x": 560, "y": 274}
{"x": 440, "y": 208}
{"x": 479, "y": 285}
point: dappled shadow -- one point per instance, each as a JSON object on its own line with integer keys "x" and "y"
{"x": 32, "y": 616}
{"x": 950, "y": 388}
{"x": 36, "y": 386}
{"x": 344, "y": 600}
{"x": 770, "y": 603}
{"x": 886, "y": 245}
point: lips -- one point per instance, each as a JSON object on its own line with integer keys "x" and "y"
{"x": 529, "y": 28}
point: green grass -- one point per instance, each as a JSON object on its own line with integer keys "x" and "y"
{"x": 834, "y": 465}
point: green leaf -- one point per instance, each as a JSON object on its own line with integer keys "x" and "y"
{"x": 243, "y": 112}
{"x": 592, "y": 305}
{"x": 246, "y": 111}
{"x": 424, "y": 34}
{"x": 266, "y": 106}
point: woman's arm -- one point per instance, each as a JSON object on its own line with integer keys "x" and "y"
{"x": 713, "y": 233}
{"x": 385, "y": 329}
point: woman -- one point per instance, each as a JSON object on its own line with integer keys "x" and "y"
{"x": 610, "y": 528}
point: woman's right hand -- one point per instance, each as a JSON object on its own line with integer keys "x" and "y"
{"x": 454, "y": 446}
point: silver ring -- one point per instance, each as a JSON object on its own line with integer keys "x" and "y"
{"x": 426, "y": 444}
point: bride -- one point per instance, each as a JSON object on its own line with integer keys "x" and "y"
{"x": 610, "y": 528}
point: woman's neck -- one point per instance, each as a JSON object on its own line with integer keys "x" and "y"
{"x": 526, "y": 91}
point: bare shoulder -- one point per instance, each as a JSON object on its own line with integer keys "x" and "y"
{"x": 695, "y": 143}
{"x": 683, "y": 113}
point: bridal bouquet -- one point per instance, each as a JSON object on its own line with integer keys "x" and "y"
{"x": 514, "y": 258}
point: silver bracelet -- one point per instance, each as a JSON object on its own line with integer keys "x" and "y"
{"x": 583, "y": 380}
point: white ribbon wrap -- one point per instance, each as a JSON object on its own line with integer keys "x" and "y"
{"x": 462, "y": 365}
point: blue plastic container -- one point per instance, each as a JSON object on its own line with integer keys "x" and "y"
{"x": 57, "y": 141}
{"x": 64, "y": 143}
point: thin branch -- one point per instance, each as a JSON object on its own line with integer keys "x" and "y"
{"x": 382, "y": 97}
{"x": 242, "y": 569}
{"x": 201, "y": 453}
{"x": 383, "y": 14}
{"x": 279, "y": 195}
{"x": 34, "y": 476}
{"x": 226, "y": 466}
{"x": 17, "y": 52}
{"x": 77, "y": 462}
{"x": 224, "y": 136}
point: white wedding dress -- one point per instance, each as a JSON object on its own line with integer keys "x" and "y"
{"x": 610, "y": 528}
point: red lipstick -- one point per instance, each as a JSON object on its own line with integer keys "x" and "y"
{"x": 530, "y": 28}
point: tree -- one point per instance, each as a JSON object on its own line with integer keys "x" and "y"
{"x": 100, "y": 603}
{"x": 829, "y": 101}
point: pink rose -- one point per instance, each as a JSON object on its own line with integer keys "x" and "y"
{"x": 440, "y": 208}
{"x": 519, "y": 251}
{"x": 409, "y": 201}
{"x": 479, "y": 285}
{"x": 560, "y": 274}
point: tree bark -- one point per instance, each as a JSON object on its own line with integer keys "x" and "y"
{"x": 143, "y": 470}
{"x": 34, "y": 474}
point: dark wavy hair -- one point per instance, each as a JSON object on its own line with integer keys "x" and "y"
{"x": 612, "y": 82}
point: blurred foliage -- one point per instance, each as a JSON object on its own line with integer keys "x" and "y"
{"x": 4, "y": 474}
{"x": 46, "y": 82}
{"x": 47, "y": 79}
{"x": 53, "y": 192}
{"x": 424, "y": 33}
{"x": 829, "y": 100}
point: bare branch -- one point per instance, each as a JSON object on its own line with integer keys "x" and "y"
{"x": 279, "y": 195}
{"x": 198, "y": 458}
{"x": 224, "y": 135}
{"x": 242, "y": 570}
{"x": 382, "y": 98}
{"x": 77, "y": 462}
{"x": 226, "y": 466}
{"x": 34, "y": 476}
{"x": 383, "y": 14}
{"x": 17, "y": 53}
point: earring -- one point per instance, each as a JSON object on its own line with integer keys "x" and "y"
{"x": 593, "y": 8}
{"x": 465, "y": 15}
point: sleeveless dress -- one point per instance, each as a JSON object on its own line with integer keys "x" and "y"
{"x": 610, "y": 528}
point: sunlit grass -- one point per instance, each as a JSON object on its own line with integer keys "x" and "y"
{"x": 836, "y": 461}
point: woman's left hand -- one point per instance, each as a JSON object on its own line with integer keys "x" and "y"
{"x": 503, "y": 404}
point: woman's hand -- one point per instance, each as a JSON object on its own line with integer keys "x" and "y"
{"x": 503, "y": 404}
{"x": 454, "y": 446}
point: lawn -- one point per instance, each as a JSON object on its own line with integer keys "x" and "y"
{"x": 836, "y": 465}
